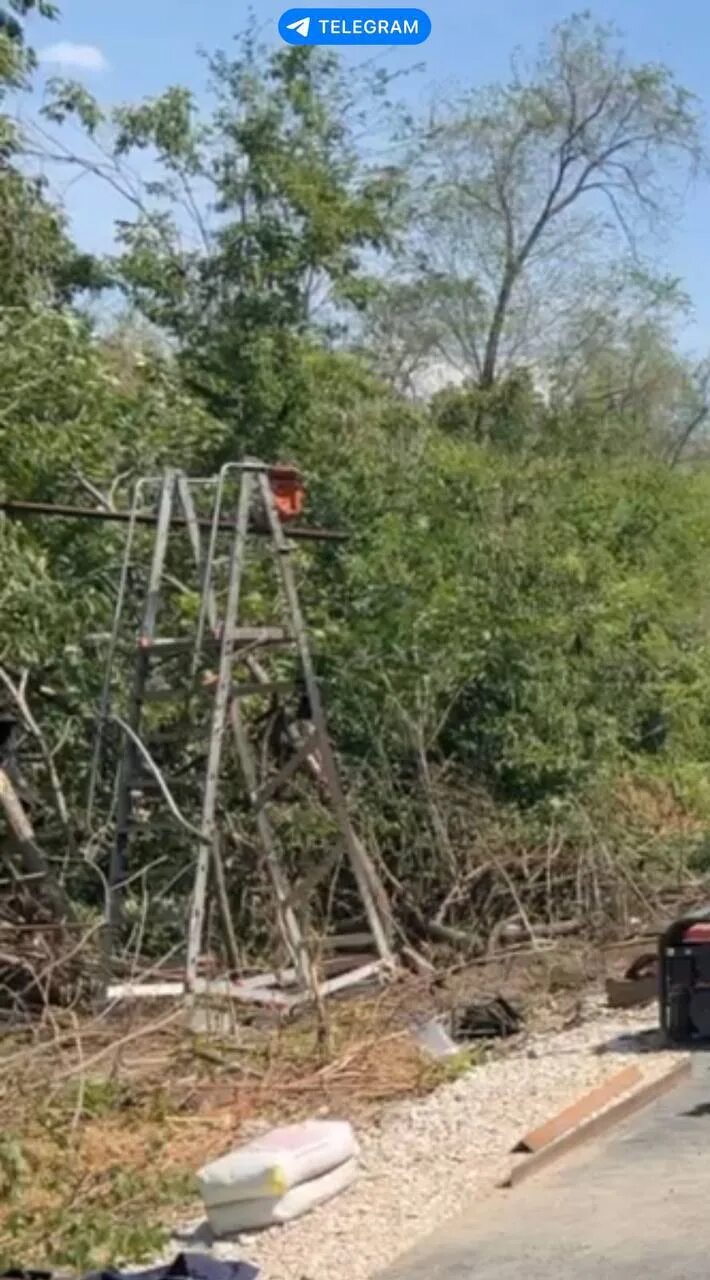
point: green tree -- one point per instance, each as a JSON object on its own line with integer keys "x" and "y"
{"x": 253, "y": 237}
{"x": 525, "y": 188}
{"x": 38, "y": 262}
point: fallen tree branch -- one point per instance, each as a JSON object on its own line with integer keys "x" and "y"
{"x": 514, "y": 931}
{"x": 18, "y": 695}
{"x": 32, "y": 860}
{"x": 115, "y": 1045}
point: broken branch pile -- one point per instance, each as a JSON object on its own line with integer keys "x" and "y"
{"x": 42, "y": 965}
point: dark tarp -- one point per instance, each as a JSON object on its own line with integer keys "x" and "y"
{"x": 186, "y": 1266}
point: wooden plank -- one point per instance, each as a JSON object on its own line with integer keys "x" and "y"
{"x": 599, "y": 1124}
{"x": 585, "y": 1106}
{"x": 216, "y": 988}
{"x": 352, "y": 978}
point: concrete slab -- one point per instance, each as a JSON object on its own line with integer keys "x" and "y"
{"x": 636, "y": 1203}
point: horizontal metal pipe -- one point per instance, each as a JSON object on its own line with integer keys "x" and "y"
{"x": 21, "y": 510}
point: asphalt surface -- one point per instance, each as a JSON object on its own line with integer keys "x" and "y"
{"x": 634, "y": 1204}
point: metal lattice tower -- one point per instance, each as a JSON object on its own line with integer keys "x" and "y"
{"x": 227, "y": 662}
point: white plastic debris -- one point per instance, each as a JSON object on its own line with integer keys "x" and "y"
{"x": 433, "y": 1038}
{"x": 271, "y": 1165}
{"x": 271, "y": 1211}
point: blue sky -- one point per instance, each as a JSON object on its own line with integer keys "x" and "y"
{"x": 148, "y": 44}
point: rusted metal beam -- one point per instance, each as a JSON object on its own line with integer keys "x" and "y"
{"x": 596, "y": 1125}
{"x": 588, "y": 1105}
{"x": 20, "y": 510}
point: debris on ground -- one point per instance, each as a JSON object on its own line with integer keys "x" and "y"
{"x": 122, "y": 1107}
{"x": 434, "y": 1040}
{"x": 639, "y": 985}
{"x": 450, "y": 1033}
{"x": 426, "y": 1160}
{"x": 485, "y": 1020}
{"x": 186, "y": 1266}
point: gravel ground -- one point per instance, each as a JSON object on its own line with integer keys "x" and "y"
{"x": 426, "y": 1160}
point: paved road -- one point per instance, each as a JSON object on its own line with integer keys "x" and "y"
{"x": 636, "y": 1204}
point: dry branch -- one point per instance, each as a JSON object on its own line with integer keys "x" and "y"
{"x": 18, "y": 694}
{"x": 32, "y": 860}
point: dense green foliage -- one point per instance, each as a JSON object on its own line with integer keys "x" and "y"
{"x": 517, "y": 630}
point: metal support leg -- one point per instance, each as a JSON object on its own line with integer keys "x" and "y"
{"x": 118, "y": 869}
{"x": 365, "y": 874}
{"x": 219, "y": 720}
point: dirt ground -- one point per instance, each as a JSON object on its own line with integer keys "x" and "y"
{"x": 99, "y": 1116}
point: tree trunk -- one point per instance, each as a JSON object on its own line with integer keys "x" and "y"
{"x": 490, "y": 358}
{"x": 32, "y": 860}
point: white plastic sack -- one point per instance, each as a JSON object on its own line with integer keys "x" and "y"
{"x": 269, "y": 1166}
{"x": 271, "y": 1211}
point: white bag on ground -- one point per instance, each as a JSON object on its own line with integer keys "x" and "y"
{"x": 269, "y": 1166}
{"x": 271, "y": 1211}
